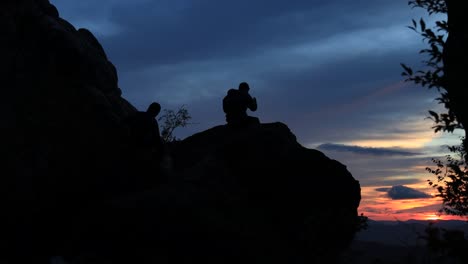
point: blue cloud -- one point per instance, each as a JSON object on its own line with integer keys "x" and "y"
{"x": 401, "y": 192}
{"x": 367, "y": 150}
{"x": 173, "y": 32}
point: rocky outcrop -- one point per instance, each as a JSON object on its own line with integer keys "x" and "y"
{"x": 70, "y": 185}
{"x": 286, "y": 199}
{"x": 235, "y": 195}
{"x": 62, "y": 136}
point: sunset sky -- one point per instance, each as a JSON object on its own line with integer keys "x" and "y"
{"x": 330, "y": 70}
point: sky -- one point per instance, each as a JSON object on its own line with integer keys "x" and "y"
{"x": 330, "y": 70}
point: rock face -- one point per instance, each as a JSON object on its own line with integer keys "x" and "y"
{"x": 70, "y": 187}
{"x": 62, "y": 136}
{"x": 234, "y": 196}
{"x": 288, "y": 203}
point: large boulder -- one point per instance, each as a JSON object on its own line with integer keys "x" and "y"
{"x": 233, "y": 196}
{"x": 62, "y": 111}
{"x": 281, "y": 201}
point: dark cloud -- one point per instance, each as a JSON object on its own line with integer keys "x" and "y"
{"x": 207, "y": 30}
{"x": 435, "y": 208}
{"x": 376, "y": 210}
{"x": 173, "y": 32}
{"x": 372, "y": 170}
{"x": 392, "y": 180}
{"x": 366, "y": 150}
{"x": 401, "y": 192}
{"x": 383, "y": 189}
{"x": 204, "y": 30}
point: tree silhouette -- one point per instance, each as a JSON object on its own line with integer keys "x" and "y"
{"x": 449, "y": 246}
{"x": 433, "y": 76}
{"x": 446, "y": 53}
{"x": 171, "y": 120}
{"x": 452, "y": 181}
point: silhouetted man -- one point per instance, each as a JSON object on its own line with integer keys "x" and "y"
{"x": 236, "y": 103}
{"x": 144, "y": 131}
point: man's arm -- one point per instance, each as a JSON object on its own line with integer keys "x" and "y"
{"x": 252, "y": 104}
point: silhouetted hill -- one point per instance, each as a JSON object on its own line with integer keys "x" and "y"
{"x": 73, "y": 184}
{"x": 395, "y": 242}
{"x": 404, "y": 233}
{"x": 366, "y": 252}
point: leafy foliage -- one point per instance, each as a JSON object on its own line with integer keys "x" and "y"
{"x": 171, "y": 120}
{"x": 452, "y": 173}
{"x": 452, "y": 181}
{"x": 449, "y": 246}
{"x": 433, "y": 76}
{"x": 362, "y": 223}
{"x": 432, "y": 6}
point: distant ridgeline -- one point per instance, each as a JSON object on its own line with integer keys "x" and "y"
{"x": 73, "y": 185}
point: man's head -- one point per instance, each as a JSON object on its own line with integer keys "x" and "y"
{"x": 243, "y": 86}
{"x": 154, "y": 109}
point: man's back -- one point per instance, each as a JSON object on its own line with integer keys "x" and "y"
{"x": 144, "y": 130}
{"x": 233, "y": 102}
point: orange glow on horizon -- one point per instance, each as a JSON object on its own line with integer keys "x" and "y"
{"x": 377, "y": 206}
{"x": 433, "y": 217}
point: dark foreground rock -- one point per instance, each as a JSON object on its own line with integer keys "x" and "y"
{"x": 291, "y": 204}
{"x": 234, "y": 196}
{"x": 63, "y": 142}
{"x": 73, "y": 186}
